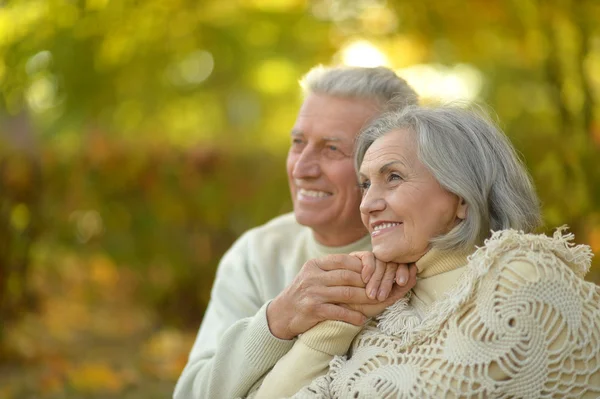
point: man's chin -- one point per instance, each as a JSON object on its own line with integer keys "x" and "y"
{"x": 310, "y": 219}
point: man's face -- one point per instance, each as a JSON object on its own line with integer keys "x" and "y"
{"x": 320, "y": 166}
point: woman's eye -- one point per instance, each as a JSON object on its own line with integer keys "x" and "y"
{"x": 394, "y": 177}
{"x": 364, "y": 186}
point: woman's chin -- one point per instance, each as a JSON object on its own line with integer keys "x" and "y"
{"x": 394, "y": 255}
{"x": 385, "y": 254}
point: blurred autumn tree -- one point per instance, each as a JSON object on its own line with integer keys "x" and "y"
{"x": 153, "y": 133}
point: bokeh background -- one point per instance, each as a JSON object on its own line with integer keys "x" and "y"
{"x": 138, "y": 139}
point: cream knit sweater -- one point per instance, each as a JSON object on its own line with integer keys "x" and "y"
{"x": 515, "y": 320}
{"x": 234, "y": 347}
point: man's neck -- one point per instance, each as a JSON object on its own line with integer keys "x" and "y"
{"x": 340, "y": 239}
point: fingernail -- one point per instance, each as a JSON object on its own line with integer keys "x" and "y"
{"x": 382, "y": 295}
{"x": 401, "y": 280}
{"x": 373, "y": 293}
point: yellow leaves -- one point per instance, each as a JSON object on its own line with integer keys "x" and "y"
{"x": 594, "y": 239}
{"x": 275, "y": 136}
{"x": 2, "y": 67}
{"x": 166, "y": 352}
{"x": 20, "y": 217}
{"x": 275, "y": 76}
{"x": 192, "y": 120}
{"x": 378, "y": 20}
{"x": 18, "y": 173}
{"x": 129, "y": 115}
{"x": 19, "y": 19}
{"x": 115, "y": 50}
{"x": 66, "y": 15}
{"x": 274, "y": 5}
{"x": 96, "y": 378}
{"x": 94, "y": 5}
{"x": 103, "y": 271}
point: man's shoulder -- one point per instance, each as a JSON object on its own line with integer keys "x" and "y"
{"x": 282, "y": 226}
{"x": 280, "y": 238}
{"x": 278, "y": 233}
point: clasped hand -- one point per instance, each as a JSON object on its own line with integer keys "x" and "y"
{"x": 349, "y": 288}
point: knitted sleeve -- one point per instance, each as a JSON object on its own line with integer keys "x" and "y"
{"x": 308, "y": 361}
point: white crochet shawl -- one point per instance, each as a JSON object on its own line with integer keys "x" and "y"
{"x": 520, "y": 323}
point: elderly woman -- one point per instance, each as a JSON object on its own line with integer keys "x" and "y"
{"x": 512, "y": 318}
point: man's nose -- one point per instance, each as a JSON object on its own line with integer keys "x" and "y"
{"x": 307, "y": 165}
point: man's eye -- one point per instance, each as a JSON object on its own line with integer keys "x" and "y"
{"x": 296, "y": 141}
{"x": 364, "y": 186}
{"x": 332, "y": 151}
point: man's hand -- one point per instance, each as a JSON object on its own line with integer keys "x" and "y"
{"x": 316, "y": 294}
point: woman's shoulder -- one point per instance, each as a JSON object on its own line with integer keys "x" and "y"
{"x": 532, "y": 255}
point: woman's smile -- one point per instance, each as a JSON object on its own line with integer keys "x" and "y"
{"x": 379, "y": 228}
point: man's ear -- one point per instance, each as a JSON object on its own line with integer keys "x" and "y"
{"x": 461, "y": 210}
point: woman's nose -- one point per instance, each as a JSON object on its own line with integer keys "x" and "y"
{"x": 372, "y": 202}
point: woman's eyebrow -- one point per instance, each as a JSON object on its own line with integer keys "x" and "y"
{"x": 384, "y": 168}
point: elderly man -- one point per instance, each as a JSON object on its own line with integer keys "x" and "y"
{"x": 280, "y": 279}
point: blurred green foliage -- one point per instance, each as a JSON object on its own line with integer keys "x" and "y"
{"x": 154, "y": 133}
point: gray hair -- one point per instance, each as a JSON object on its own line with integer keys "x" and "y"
{"x": 381, "y": 84}
{"x": 472, "y": 158}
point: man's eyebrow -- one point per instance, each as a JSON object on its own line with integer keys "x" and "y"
{"x": 295, "y": 132}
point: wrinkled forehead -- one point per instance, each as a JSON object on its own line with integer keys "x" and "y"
{"x": 396, "y": 145}
{"x": 326, "y": 115}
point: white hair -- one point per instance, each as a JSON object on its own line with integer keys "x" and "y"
{"x": 472, "y": 158}
{"x": 380, "y": 84}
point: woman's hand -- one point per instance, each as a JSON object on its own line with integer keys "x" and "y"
{"x": 380, "y": 276}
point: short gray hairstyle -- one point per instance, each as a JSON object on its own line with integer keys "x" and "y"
{"x": 472, "y": 158}
{"x": 380, "y": 84}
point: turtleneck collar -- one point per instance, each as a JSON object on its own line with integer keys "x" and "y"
{"x": 436, "y": 261}
{"x": 317, "y": 249}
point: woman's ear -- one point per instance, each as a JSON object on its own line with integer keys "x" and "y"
{"x": 461, "y": 210}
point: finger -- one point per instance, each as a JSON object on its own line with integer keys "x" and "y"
{"x": 345, "y": 295}
{"x": 330, "y": 311}
{"x": 375, "y": 281}
{"x": 399, "y": 291}
{"x": 368, "y": 265}
{"x": 402, "y": 274}
{"x": 388, "y": 280}
{"x": 412, "y": 270}
{"x": 339, "y": 261}
{"x": 342, "y": 277}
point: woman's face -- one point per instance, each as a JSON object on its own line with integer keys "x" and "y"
{"x": 403, "y": 205}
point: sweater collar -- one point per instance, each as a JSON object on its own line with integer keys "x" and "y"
{"x": 317, "y": 249}
{"x": 436, "y": 261}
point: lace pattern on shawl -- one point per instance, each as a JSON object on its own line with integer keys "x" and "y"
{"x": 404, "y": 323}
